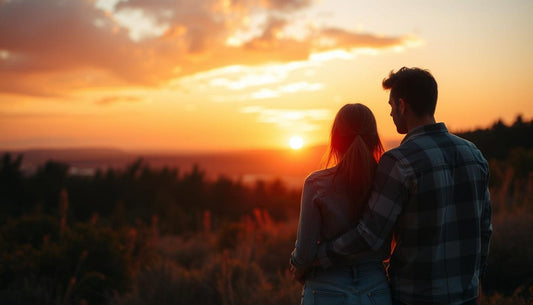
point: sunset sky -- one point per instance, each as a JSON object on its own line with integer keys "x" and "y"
{"x": 208, "y": 75}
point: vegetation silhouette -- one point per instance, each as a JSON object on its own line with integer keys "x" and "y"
{"x": 141, "y": 235}
{"x": 498, "y": 141}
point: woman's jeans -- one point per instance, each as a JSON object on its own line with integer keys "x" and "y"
{"x": 364, "y": 284}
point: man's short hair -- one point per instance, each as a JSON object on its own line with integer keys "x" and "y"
{"x": 417, "y": 87}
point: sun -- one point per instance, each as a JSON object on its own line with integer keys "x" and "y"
{"x": 296, "y": 142}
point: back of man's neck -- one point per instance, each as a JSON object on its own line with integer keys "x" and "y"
{"x": 420, "y": 121}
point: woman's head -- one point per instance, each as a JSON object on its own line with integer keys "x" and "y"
{"x": 352, "y": 121}
{"x": 355, "y": 149}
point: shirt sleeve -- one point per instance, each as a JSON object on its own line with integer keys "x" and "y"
{"x": 486, "y": 232}
{"x": 308, "y": 229}
{"x": 389, "y": 193}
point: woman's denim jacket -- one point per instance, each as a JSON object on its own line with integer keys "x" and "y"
{"x": 326, "y": 212}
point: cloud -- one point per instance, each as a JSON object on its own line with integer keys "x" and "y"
{"x": 264, "y": 94}
{"x": 117, "y": 99}
{"x": 46, "y": 41}
{"x": 246, "y": 81}
{"x": 301, "y": 86}
{"x": 287, "y": 5}
{"x": 302, "y": 120}
{"x": 54, "y": 47}
{"x": 242, "y": 77}
{"x": 289, "y": 88}
{"x": 326, "y": 38}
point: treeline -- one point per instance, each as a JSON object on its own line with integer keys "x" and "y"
{"x": 509, "y": 150}
{"x": 178, "y": 200}
{"x": 499, "y": 140}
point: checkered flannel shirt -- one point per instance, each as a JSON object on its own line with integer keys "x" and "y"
{"x": 431, "y": 197}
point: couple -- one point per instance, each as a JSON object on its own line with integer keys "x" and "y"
{"x": 422, "y": 207}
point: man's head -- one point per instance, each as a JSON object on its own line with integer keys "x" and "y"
{"x": 413, "y": 93}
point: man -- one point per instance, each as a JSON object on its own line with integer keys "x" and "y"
{"x": 431, "y": 197}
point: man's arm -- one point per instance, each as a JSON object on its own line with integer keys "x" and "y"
{"x": 486, "y": 231}
{"x": 389, "y": 194}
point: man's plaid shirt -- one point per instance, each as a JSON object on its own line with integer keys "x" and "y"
{"x": 431, "y": 196}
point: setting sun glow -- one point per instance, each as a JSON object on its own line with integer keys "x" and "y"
{"x": 250, "y": 68}
{"x": 296, "y": 142}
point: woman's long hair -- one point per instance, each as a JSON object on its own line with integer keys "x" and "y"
{"x": 355, "y": 148}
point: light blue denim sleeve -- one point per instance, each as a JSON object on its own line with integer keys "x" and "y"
{"x": 308, "y": 228}
{"x": 374, "y": 226}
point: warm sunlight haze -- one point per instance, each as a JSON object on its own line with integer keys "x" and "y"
{"x": 181, "y": 152}
{"x": 296, "y": 142}
{"x": 214, "y": 75}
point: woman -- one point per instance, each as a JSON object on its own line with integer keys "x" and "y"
{"x": 332, "y": 200}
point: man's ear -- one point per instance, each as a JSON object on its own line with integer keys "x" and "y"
{"x": 403, "y": 105}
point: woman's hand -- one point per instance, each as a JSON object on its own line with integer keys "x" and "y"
{"x": 297, "y": 274}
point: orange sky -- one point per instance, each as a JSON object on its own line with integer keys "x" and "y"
{"x": 223, "y": 75}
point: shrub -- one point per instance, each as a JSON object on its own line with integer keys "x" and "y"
{"x": 510, "y": 254}
{"x": 193, "y": 252}
{"x": 84, "y": 263}
{"x": 521, "y": 296}
{"x": 168, "y": 283}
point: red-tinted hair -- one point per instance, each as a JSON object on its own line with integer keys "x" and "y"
{"x": 355, "y": 148}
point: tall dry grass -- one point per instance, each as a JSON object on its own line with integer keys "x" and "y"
{"x": 242, "y": 263}
{"x": 245, "y": 262}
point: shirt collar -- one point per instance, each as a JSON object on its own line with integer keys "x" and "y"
{"x": 425, "y": 130}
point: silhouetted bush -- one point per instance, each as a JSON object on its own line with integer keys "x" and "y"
{"x": 12, "y": 196}
{"x": 197, "y": 270}
{"x": 511, "y": 250}
{"x": 168, "y": 283}
{"x": 521, "y": 296}
{"x": 44, "y": 262}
